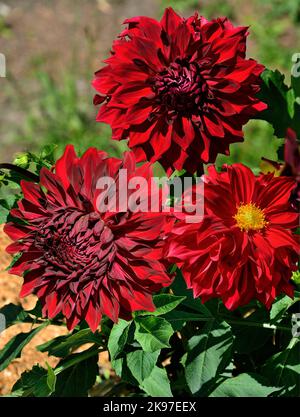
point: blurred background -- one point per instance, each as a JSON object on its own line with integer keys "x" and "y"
{"x": 52, "y": 49}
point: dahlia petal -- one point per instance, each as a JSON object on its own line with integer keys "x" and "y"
{"x": 93, "y": 315}
{"x": 273, "y": 196}
{"x": 130, "y": 95}
{"x": 110, "y": 306}
{"x": 31, "y": 281}
{"x": 213, "y": 125}
{"x": 16, "y": 232}
{"x": 170, "y": 21}
{"x": 288, "y": 220}
{"x": 72, "y": 322}
{"x": 242, "y": 183}
{"x": 137, "y": 114}
{"x": 143, "y": 26}
{"x": 278, "y": 237}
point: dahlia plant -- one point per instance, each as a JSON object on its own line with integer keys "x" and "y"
{"x": 204, "y": 305}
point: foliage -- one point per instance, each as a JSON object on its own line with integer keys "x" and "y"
{"x": 184, "y": 347}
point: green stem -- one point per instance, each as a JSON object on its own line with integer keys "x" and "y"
{"x": 22, "y": 171}
{"x": 244, "y": 323}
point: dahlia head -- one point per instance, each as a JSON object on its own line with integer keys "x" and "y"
{"x": 180, "y": 89}
{"x": 79, "y": 261}
{"x": 245, "y": 247}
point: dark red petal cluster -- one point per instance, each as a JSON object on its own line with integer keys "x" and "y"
{"x": 179, "y": 89}
{"x": 244, "y": 249}
{"x": 79, "y": 261}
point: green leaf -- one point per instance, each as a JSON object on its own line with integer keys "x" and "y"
{"x": 76, "y": 380}
{"x": 283, "y": 369}
{"x": 6, "y": 204}
{"x": 179, "y": 288}
{"x": 178, "y": 318}
{"x": 295, "y": 81}
{"x": 118, "y": 338}
{"x": 163, "y": 303}
{"x": 13, "y": 314}
{"x": 61, "y": 346}
{"x": 249, "y": 339}
{"x": 153, "y": 333}
{"x": 33, "y": 383}
{"x": 157, "y": 384}
{"x": 244, "y": 385}
{"x": 14, "y": 347}
{"x": 274, "y": 93}
{"x": 141, "y": 363}
{"x": 51, "y": 378}
{"x": 208, "y": 354}
{"x": 280, "y": 306}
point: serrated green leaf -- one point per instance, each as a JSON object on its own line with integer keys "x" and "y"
{"x": 208, "y": 354}
{"x": 51, "y": 378}
{"x": 76, "y": 380}
{"x": 153, "y": 333}
{"x": 32, "y": 383}
{"x": 274, "y": 93}
{"x": 283, "y": 369}
{"x": 6, "y": 204}
{"x": 14, "y": 347}
{"x": 141, "y": 363}
{"x": 244, "y": 385}
{"x": 249, "y": 339}
{"x": 178, "y": 318}
{"x": 280, "y": 306}
{"x": 61, "y": 345}
{"x": 180, "y": 289}
{"x": 163, "y": 303}
{"x": 118, "y": 338}
{"x": 157, "y": 384}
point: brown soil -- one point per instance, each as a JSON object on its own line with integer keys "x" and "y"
{"x": 9, "y": 290}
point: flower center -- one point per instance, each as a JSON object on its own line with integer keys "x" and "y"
{"x": 180, "y": 88}
{"x": 75, "y": 240}
{"x": 250, "y": 217}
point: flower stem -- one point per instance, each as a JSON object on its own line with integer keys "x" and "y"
{"x": 245, "y": 323}
{"x": 21, "y": 171}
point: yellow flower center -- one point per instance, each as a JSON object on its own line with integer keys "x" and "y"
{"x": 250, "y": 217}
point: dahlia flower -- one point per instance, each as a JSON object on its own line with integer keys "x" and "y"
{"x": 244, "y": 249}
{"x": 79, "y": 261}
{"x": 179, "y": 89}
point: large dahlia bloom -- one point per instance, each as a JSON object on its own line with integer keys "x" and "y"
{"x": 81, "y": 261}
{"x": 244, "y": 248}
{"x": 179, "y": 89}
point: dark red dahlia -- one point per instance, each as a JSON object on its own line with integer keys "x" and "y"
{"x": 81, "y": 261}
{"x": 179, "y": 89}
{"x": 244, "y": 248}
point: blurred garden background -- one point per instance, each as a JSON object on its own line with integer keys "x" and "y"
{"x": 52, "y": 49}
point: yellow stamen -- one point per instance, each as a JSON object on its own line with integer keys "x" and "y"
{"x": 250, "y": 217}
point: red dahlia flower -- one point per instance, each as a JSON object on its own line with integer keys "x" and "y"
{"x": 179, "y": 89}
{"x": 244, "y": 248}
{"x": 79, "y": 261}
